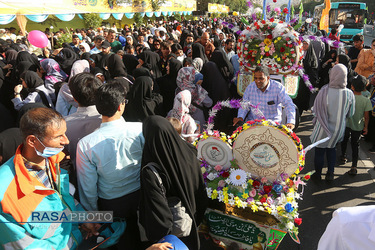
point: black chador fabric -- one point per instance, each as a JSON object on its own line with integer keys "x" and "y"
{"x": 224, "y": 65}
{"x": 130, "y": 63}
{"x": 116, "y": 66}
{"x": 151, "y": 61}
{"x": 218, "y": 90}
{"x": 167, "y": 85}
{"x": 66, "y": 57}
{"x": 181, "y": 175}
{"x": 142, "y": 102}
{"x": 199, "y": 51}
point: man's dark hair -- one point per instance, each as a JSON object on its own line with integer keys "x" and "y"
{"x": 111, "y": 31}
{"x": 35, "y": 122}
{"x": 176, "y": 47}
{"x": 262, "y": 69}
{"x": 99, "y": 37}
{"x": 190, "y": 35}
{"x": 128, "y": 47}
{"x": 333, "y": 31}
{"x": 357, "y": 38}
{"x": 228, "y": 41}
{"x": 108, "y": 97}
{"x": 359, "y": 83}
{"x": 83, "y": 87}
{"x": 164, "y": 45}
{"x": 74, "y": 36}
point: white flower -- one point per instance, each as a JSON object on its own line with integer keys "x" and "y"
{"x": 211, "y": 176}
{"x": 227, "y": 181}
{"x": 238, "y": 177}
{"x": 209, "y": 192}
{"x": 220, "y": 197}
{"x": 244, "y": 186}
{"x": 231, "y": 202}
{"x": 290, "y": 225}
{"x": 231, "y": 195}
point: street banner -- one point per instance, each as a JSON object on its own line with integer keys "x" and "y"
{"x": 324, "y": 21}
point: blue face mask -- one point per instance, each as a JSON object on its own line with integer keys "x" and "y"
{"x": 47, "y": 151}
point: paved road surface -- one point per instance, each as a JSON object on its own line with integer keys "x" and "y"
{"x": 320, "y": 199}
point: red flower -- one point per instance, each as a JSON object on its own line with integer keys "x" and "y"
{"x": 263, "y": 22}
{"x": 307, "y": 177}
{"x": 282, "y": 49}
{"x": 269, "y": 36}
{"x": 256, "y": 184}
{"x": 274, "y": 1}
{"x": 267, "y": 189}
{"x": 263, "y": 199}
{"x": 285, "y": 10}
{"x": 298, "y": 221}
{"x": 267, "y": 54}
{"x": 272, "y": 19}
{"x": 225, "y": 174}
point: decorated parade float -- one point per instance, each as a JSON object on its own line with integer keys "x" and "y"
{"x": 253, "y": 177}
{"x": 252, "y": 180}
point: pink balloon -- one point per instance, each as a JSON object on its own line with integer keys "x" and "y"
{"x": 38, "y": 38}
{"x": 215, "y": 19}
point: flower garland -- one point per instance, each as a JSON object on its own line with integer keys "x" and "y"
{"x": 238, "y": 188}
{"x": 236, "y": 104}
{"x": 272, "y": 43}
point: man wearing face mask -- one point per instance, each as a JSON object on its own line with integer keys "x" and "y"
{"x": 32, "y": 180}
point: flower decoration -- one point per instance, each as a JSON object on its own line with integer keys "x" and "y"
{"x": 238, "y": 177}
{"x": 271, "y": 43}
{"x": 285, "y": 11}
{"x": 241, "y": 189}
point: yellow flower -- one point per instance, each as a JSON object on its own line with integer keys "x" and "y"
{"x": 278, "y": 59}
{"x": 266, "y": 49}
{"x": 203, "y": 169}
{"x": 245, "y": 126}
{"x": 297, "y": 171}
{"x": 269, "y": 210}
{"x": 225, "y": 189}
{"x": 291, "y": 190}
{"x": 245, "y": 195}
{"x": 223, "y": 138}
{"x": 279, "y": 38}
{"x": 254, "y": 208}
{"x": 289, "y": 199}
{"x": 214, "y": 194}
{"x": 267, "y": 41}
{"x": 205, "y": 136}
{"x": 225, "y": 199}
{"x": 250, "y": 181}
{"x": 258, "y": 61}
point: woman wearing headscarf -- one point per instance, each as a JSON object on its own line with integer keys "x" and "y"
{"x": 116, "y": 67}
{"x": 141, "y": 101}
{"x": 130, "y": 62}
{"x": 23, "y": 56}
{"x": 35, "y": 88}
{"x": 65, "y": 104}
{"x": 198, "y": 65}
{"x": 327, "y": 64}
{"x": 200, "y": 101}
{"x": 180, "y": 111}
{"x": 53, "y": 74}
{"x": 66, "y": 57}
{"x": 11, "y": 56}
{"x": 199, "y": 51}
{"x": 333, "y": 104}
{"x": 167, "y": 84}
{"x": 218, "y": 90}
{"x": 224, "y": 65}
{"x": 345, "y": 60}
{"x": 176, "y": 163}
{"x": 150, "y": 60}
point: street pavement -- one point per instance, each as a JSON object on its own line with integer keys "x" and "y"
{"x": 321, "y": 198}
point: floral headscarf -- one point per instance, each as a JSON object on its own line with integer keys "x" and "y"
{"x": 185, "y": 81}
{"x": 181, "y": 105}
{"x": 198, "y": 64}
{"x": 53, "y": 70}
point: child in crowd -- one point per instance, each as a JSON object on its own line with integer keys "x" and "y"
{"x": 357, "y": 123}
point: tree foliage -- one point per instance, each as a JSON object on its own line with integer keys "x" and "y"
{"x": 92, "y": 20}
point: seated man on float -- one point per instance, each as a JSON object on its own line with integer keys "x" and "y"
{"x": 269, "y": 96}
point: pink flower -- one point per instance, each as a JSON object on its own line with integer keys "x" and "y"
{"x": 218, "y": 168}
{"x": 221, "y": 183}
{"x": 264, "y": 180}
{"x": 252, "y": 193}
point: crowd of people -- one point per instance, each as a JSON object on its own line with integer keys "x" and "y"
{"x": 115, "y": 101}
